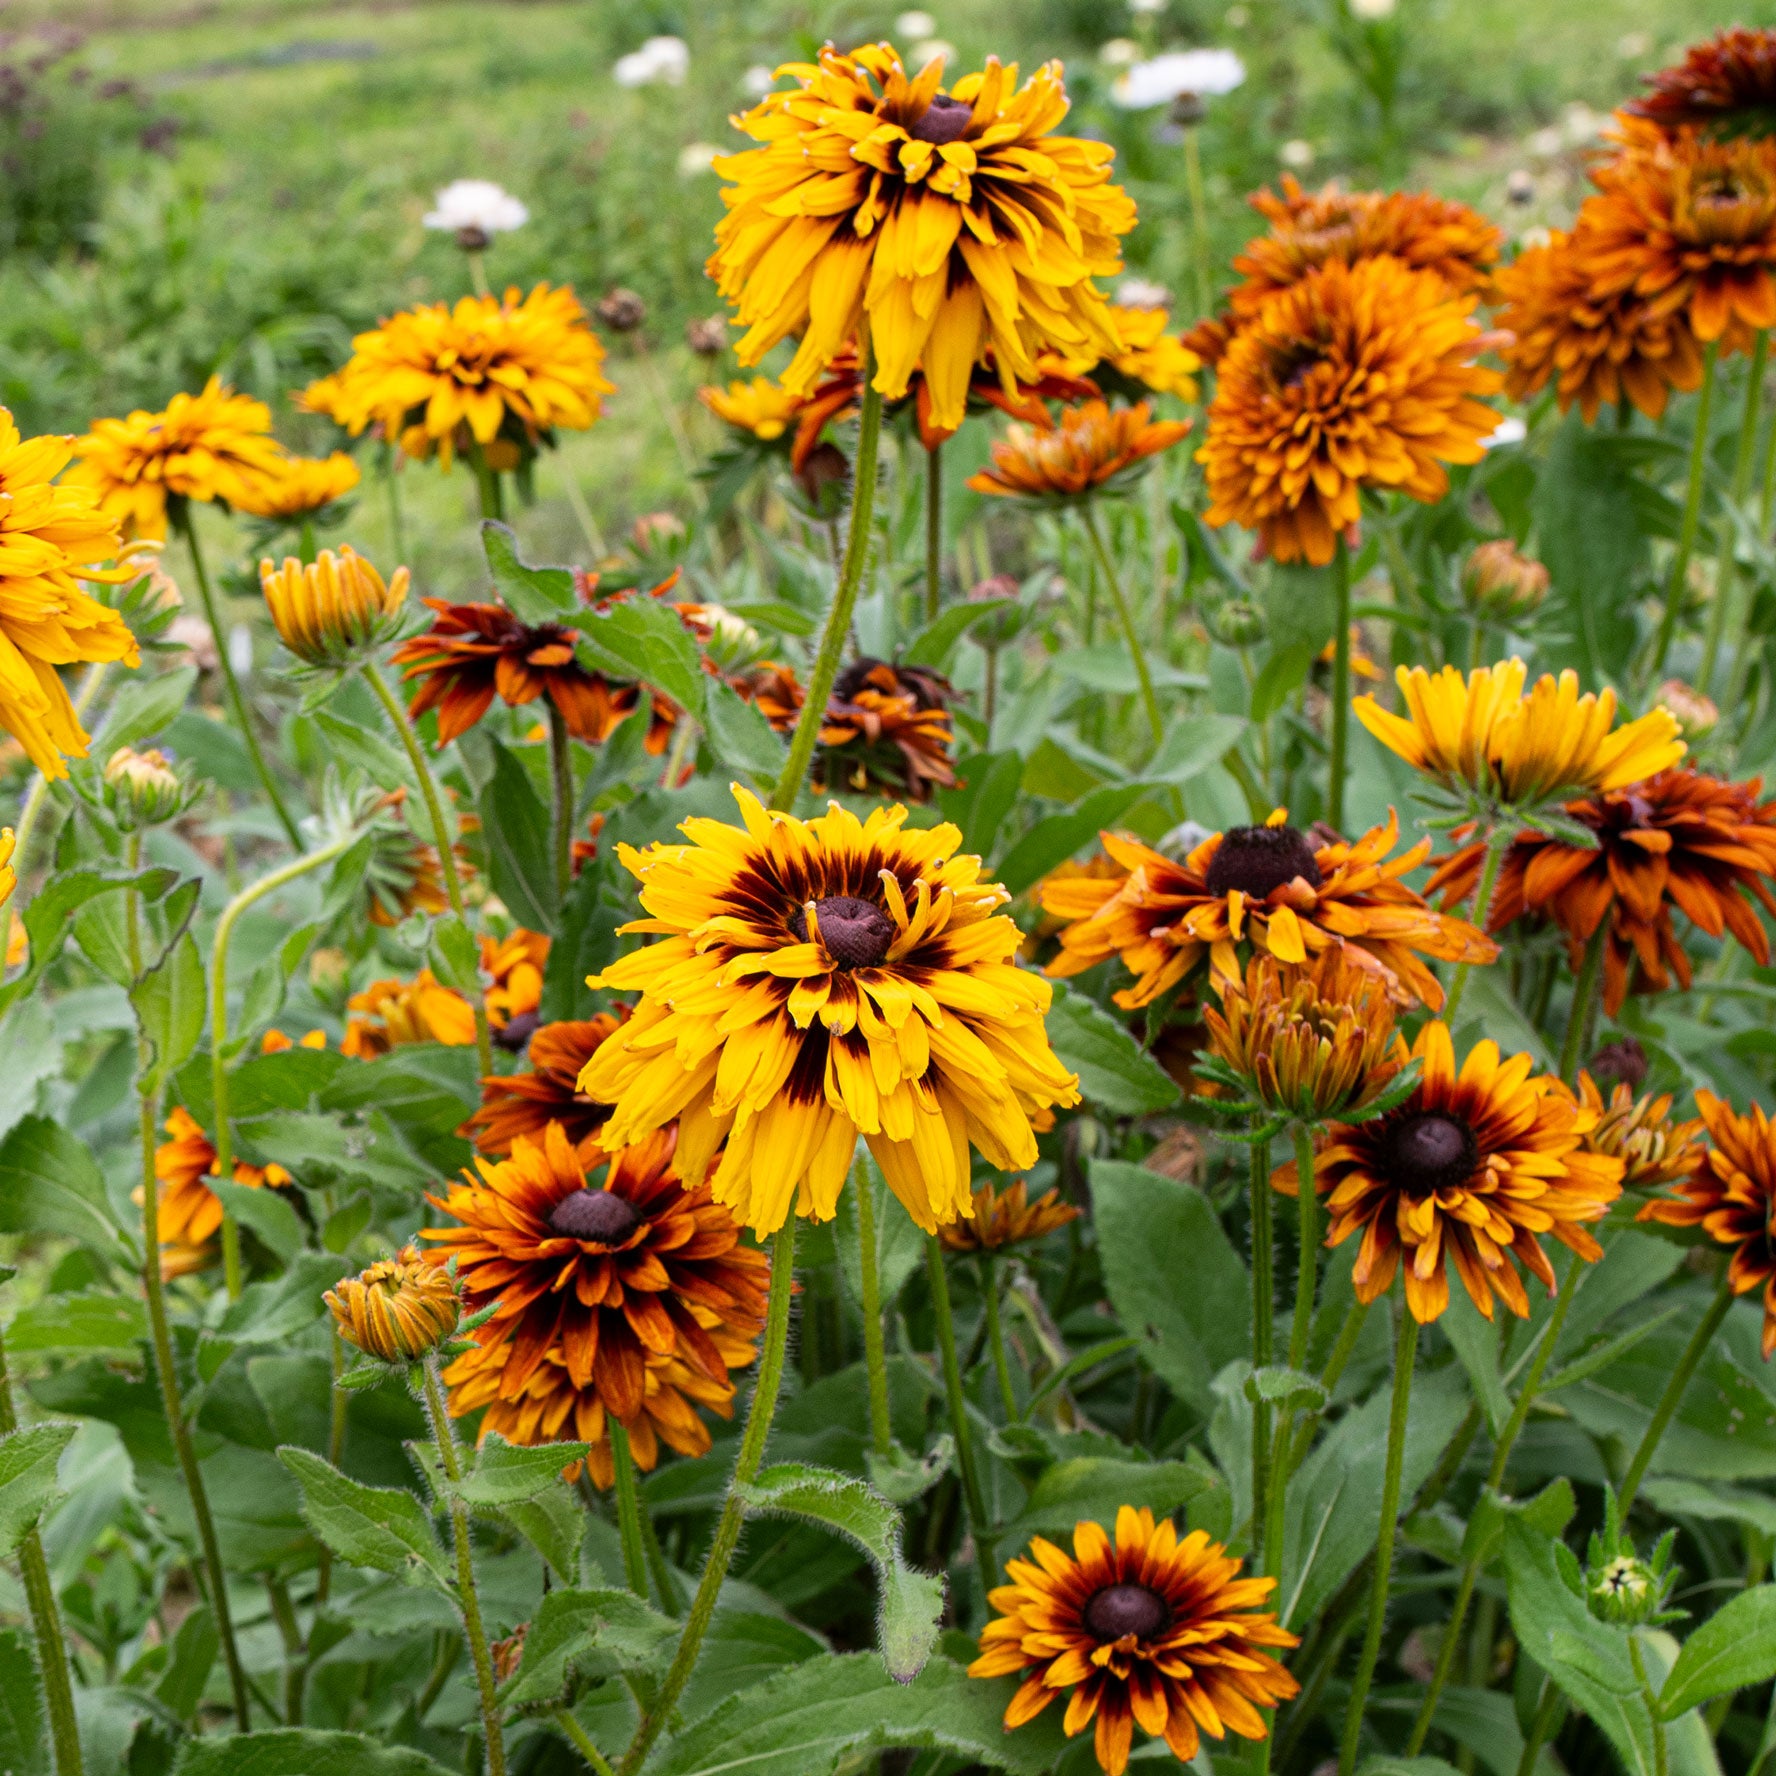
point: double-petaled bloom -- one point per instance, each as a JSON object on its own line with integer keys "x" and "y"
{"x": 1731, "y": 1196}
{"x": 399, "y": 1309}
{"x": 300, "y": 487}
{"x": 1656, "y": 1149}
{"x": 1258, "y": 889}
{"x": 819, "y": 980}
{"x": 929, "y": 225}
{"x": 608, "y": 1290}
{"x": 393, "y": 1013}
{"x": 1359, "y": 376}
{"x": 1726, "y": 86}
{"x": 1005, "y": 1218}
{"x": 1470, "y": 1170}
{"x": 764, "y": 410}
{"x": 1095, "y": 448}
{"x": 1678, "y": 840}
{"x": 514, "y": 1104}
{"x": 335, "y": 609}
{"x": 495, "y": 375}
{"x": 51, "y": 539}
{"x": 211, "y": 446}
{"x": 1483, "y": 735}
{"x": 190, "y": 1211}
{"x": 1146, "y": 1630}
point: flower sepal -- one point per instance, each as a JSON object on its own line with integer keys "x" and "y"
{"x": 1390, "y": 1097}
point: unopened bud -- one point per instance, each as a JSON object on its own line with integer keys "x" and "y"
{"x": 1239, "y": 623}
{"x": 823, "y": 479}
{"x": 143, "y": 788}
{"x": 1502, "y": 585}
{"x": 399, "y": 1310}
{"x": 333, "y": 609}
{"x": 1698, "y": 713}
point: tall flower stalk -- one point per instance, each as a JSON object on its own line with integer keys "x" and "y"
{"x": 1678, "y": 578}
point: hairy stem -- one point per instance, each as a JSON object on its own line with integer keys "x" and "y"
{"x": 1263, "y": 1337}
{"x": 1137, "y": 653}
{"x": 1497, "y": 842}
{"x": 989, "y": 1282}
{"x": 561, "y": 780}
{"x": 875, "y": 1359}
{"x": 1692, "y": 511}
{"x": 1341, "y": 684}
{"x": 581, "y": 1741}
{"x": 958, "y": 1405}
{"x": 628, "y": 1506}
{"x": 933, "y": 531}
{"x": 1725, "y": 550}
{"x": 1673, "y": 1395}
{"x": 1578, "y": 1020}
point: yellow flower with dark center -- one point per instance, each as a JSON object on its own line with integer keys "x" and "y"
{"x": 334, "y": 609}
{"x": 399, "y": 1309}
{"x": 929, "y": 224}
{"x": 215, "y": 445}
{"x": 301, "y": 486}
{"x": 1357, "y": 376}
{"x": 51, "y": 539}
{"x": 1655, "y": 1148}
{"x": 1147, "y": 1630}
{"x": 1151, "y": 355}
{"x": 820, "y": 980}
{"x": 1007, "y": 1217}
{"x": 763, "y": 409}
{"x": 1482, "y": 733}
{"x": 442, "y": 379}
{"x": 1094, "y": 447}
{"x": 1473, "y": 1167}
{"x": 1311, "y": 1042}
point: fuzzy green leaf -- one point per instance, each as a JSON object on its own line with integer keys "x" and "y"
{"x": 1115, "y": 1073}
{"x": 1734, "y": 1649}
{"x": 533, "y": 594}
{"x": 373, "y": 1526}
{"x": 50, "y": 1183}
{"x": 505, "y": 1474}
{"x": 1095, "y": 1487}
{"x": 300, "y": 1751}
{"x": 579, "y": 1637}
{"x": 28, "y": 1460}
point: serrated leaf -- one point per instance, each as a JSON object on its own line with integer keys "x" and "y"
{"x": 266, "y": 1212}
{"x": 579, "y": 1637}
{"x": 28, "y": 1460}
{"x": 1195, "y": 744}
{"x": 1279, "y": 1385}
{"x": 142, "y": 708}
{"x": 300, "y": 1751}
{"x": 505, "y": 1474}
{"x": 739, "y": 736}
{"x": 900, "y": 1476}
{"x": 48, "y": 917}
{"x": 1734, "y": 1649}
{"x": 456, "y": 957}
{"x": 371, "y": 1526}
{"x": 1115, "y": 1073}
{"x": 169, "y": 1002}
{"x": 555, "y": 1525}
{"x": 50, "y": 1183}
{"x": 1094, "y": 1488}
{"x": 534, "y": 594}
{"x": 81, "y": 1321}
{"x": 272, "y": 1311}
{"x": 645, "y": 639}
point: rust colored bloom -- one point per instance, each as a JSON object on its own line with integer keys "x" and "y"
{"x": 1358, "y": 376}
{"x": 599, "y": 1278}
{"x": 190, "y": 1211}
{"x": 515, "y": 966}
{"x": 474, "y": 651}
{"x": 1689, "y": 226}
{"x": 399, "y": 1309}
{"x": 514, "y": 1104}
{"x": 1653, "y": 1146}
{"x": 1675, "y": 840}
{"x": 1095, "y": 447}
{"x": 1731, "y": 1195}
{"x": 1474, "y": 1166}
{"x": 887, "y": 729}
{"x": 394, "y": 1013}
{"x": 1007, "y": 1218}
{"x": 1726, "y": 85}
{"x": 1147, "y": 1629}
{"x": 1596, "y": 350}
{"x": 1310, "y": 1042}
{"x": 1266, "y": 889}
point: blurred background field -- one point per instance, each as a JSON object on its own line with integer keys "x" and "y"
{"x": 236, "y": 186}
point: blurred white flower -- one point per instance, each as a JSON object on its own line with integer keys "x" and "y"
{"x": 1531, "y": 238}
{"x": 477, "y": 205}
{"x": 915, "y": 24}
{"x": 1520, "y": 186}
{"x": 1373, "y": 9}
{"x": 1140, "y": 292}
{"x": 661, "y": 61}
{"x": 240, "y": 649}
{"x": 193, "y": 634}
{"x": 1119, "y": 52}
{"x": 1201, "y": 73}
{"x": 1546, "y": 142}
{"x": 697, "y": 158}
{"x": 1297, "y": 154}
{"x": 1509, "y": 430}
{"x": 1581, "y": 123}
{"x": 933, "y": 49}
{"x": 758, "y": 80}
{"x": 1146, "y": 7}
{"x": 1633, "y": 46}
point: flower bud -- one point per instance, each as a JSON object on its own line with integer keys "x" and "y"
{"x": 330, "y": 612}
{"x": 1238, "y": 624}
{"x": 1699, "y": 714}
{"x": 622, "y": 310}
{"x": 399, "y": 1310}
{"x": 1502, "y": 585}
{"x": 143, "y": 789}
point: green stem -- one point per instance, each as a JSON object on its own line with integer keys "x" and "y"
{"x": 1263, "y": 1337}
{"x": 1498, "y": 841}
{"x": 335, "y": 1454}
{"x": 933, "y": 531}
{"x": 1341, "y": 684}
{"x": 46, "y": 1621}
{"x": 628, "y": 1506}
{"x": 236, "y": 699}
{"x": 582, "y": 1742}
{"x": 442, "y": 837}
{"x": 1405, "y": 1350}
{"x": 1199, "y": 214}
{"x": 39, "y": 790}
{"x": 958, "y": 1404}
{"x": 477, "y": 272}
{"x": 581, "y": 511}
{"x": 487, "y": 485}
{"x": 283, "y": 1613}
{"x": 875, "y": 1359}
{"x": 248, "y": 897}
{"x": 1692, "y": 512}
{"x": 665, "y": 1580}
{"x": 468, "y": 1598}
{"x": 838, "y": 619}
{"x": 1137, "y": 653}
{"x": 1476, "y": 643}
{"x": 1661, "y": 1747}
{"x": 1578, "y": 1019}
{"x": 1541, "y": 1728}
{"x": 733, "y": 1517}
{"x": 1495, "y": 1480}
{"x": 1674, "y": 1392}
{"x": 1308, "y": 1275}
{"x": 561, "y": 778}
{"x": 989, "y": 1282}
{"x": 1726, "y": 556}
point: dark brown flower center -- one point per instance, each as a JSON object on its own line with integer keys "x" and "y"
{"x": 856, "y": 934}
{"x": 1126, "y": 1609}
{"x": 943, "y": 120}
{"x": 594, "y": 1215}
{"x": 518, "y": 1032}
{"x": 1257, "y": 859}
{"x": 1431, "y": 1151}
{"x": 1622, "y": 1062}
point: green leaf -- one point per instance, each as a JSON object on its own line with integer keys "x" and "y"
{"x": 1406, "y": 1766}
{"x": 645, "y": 638}
{"x": 1150, "y": 1233}
{"x": 142, "y": 708}
{"x": 911, "y": 1601}
{"x": 456, "y": 957}
{"x": 1286, "y": 669}
{"x": 28, "y": 1460}
{"x": 101, "y": 928}
{"x": 578, "y": 1638}
{"x": 1279, "y": 1385}
{"x": 1096, "y": 1487}
{"x": 49, "y": 916}
{"x": 1194, "y": 744}
{"x": 839, "y": 1707}
{"x": 534, "y": 594}
{"x": 504, "y": 1474}
{"x": 300, "y": 1751}
{"x": 1055, "y": 839}
{"x": 1476, "y": 1343}
{"x": 24, "y": 1747}
{"x": 371, "y": 1526}
{"x": 215, "y": 750}
{"x": 193, "y": 1654}
{"x": 516, "y": 828}
{"x": 274, "y": 1311}
{"x": 934, "y": 644}
{"x": 50, "y": 1183}
{"x": 169, "y": 1001}
{"x": 1723, "y": 1504}
{"x": 348, "y": 744}
{"x": 1734, "y": 1649}
{"x": 555, "y": 1525}
{"x": 739, "y": 736}
{"x": 1115, "y": 1073}
{"x": 30, "y": 1054}
{"x": 78, "y": 1322}
{"x": 267, "y": 1213}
